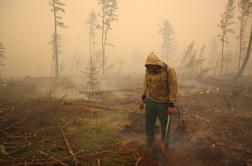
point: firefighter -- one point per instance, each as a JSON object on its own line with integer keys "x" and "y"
{"x": 159, "y": 96}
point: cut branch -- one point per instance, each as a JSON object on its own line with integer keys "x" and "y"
{"x": 69, "y": 149}
{"x": 12, "y": 125}
{"x": 53, "y": 158}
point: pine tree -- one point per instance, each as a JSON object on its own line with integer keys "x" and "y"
{"x": 57, "y": 7}
{"x": 245, "y": 12}
{"x": 108, "y": 16}
{"x": 188, "y": 64}
{"x": 2, "y": 54}
{"x": 225, "y": 23}
{"x": 92, "y": 71}
{"x": 248, "y": 53}
{"x": 166, "y": 31}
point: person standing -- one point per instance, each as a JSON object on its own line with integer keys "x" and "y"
{"x": 159, "y": 96}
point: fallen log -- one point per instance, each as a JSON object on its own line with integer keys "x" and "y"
{"x": 110, "y": 91}
{"x": 69, "y": 149}
{"x": 213, "y": 144}
{"x": 230, "y": 148}
{"x": 100, "y": 107}
{"x": 127, "y": 89}
{"x": 5, "y": 109}
{"x": 227, "y": 84}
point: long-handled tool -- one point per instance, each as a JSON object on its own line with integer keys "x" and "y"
{"x": 167, "y": 130}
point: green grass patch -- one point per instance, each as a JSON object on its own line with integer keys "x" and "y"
{"x": 93, "y": 135}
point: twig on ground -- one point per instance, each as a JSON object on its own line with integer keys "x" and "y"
{"x": 53, "y": 158}
{"x": 139, "y": 160}
{"x": 79, "y": 152}
{"x": 69, "y": 149}
{"x": 12, "y": 125}
{"x": 26, "y": 146}
{"x": 98, "y": 162}
{"x": 97, "y": 153}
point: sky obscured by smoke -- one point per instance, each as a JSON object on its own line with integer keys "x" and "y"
{"x": 27, "y": 25}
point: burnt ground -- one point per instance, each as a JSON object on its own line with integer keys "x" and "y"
{"x": 41, "y": 125}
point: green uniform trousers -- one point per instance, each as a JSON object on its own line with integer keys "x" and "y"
{"x": 152, "y": 111}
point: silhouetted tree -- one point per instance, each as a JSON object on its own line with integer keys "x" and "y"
{"x": 108, "y": 16}
{"x": 76, "y": 62}
{"x": 187, "y": 67}
{"x": 248, "y": 53}
{"x": 192, "y": 64}
{"x": 224, "y": 25}
{"x": 213, "y": 59}
{"x": 2, "y": 53}
{"x": 92, "y": 71}
{"x": 166, "y": 31}
{"x": 62, "y": 66}
{"x": 57, "y": 7}
{"x": 200, "y": 60}
{"x": 2, "y": 56}
{"x": 245, "y": 12}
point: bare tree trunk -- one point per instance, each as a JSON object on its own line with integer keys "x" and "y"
{"x": 223, "y": 43}
{"x": 55, "y": 42}
{"x": 93, "y": 63}
{"x": 103, "y": 43}
{"x": 241, "y": 37}
{"x": 222, "y": 53}
{"x": 105, "y": 40}
{"x": 216, "y": 66}
{"x": 238, "y": 75}
{"x": 90, "y": 63}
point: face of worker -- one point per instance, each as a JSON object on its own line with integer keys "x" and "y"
{"x": 154, "y": 68}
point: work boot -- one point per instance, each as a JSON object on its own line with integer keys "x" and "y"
{"x": 168, "y": 147}
{"x": 162, "y": 149}
{"x": 148, "y": 150}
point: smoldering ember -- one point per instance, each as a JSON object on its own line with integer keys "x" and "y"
{"x": 126, "y": 83}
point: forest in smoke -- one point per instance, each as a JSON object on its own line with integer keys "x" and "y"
{"x": 122, "y": 34}
{"x": 72, "y": 76}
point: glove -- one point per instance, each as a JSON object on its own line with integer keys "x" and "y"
{"x": 170, "y": 108}
{"x": 143, "y": 97}
{"x": 141, "y": 105}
